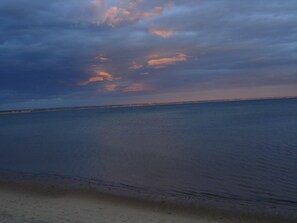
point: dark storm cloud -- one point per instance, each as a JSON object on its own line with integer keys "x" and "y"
{"x": 96, "y": 51}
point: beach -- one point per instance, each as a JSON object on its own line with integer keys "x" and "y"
{"x": 31, "y": 204}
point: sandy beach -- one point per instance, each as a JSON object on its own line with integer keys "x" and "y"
{"x": 25, "y": 204}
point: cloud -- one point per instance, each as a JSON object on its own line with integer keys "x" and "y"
{"x": 98, "y": 3}
{"x": 110, "y": 87}
{"x": 122, "y": 88}
{"x": 47, "y": 47}
{"x": 166, "y": 61}
{"x": 135, "y": 66}
{"x": 100, "y": 76}
{"x": 104, "y": 75}
{"x": 116, "y": 15}
{"x": 124, "y": 11}
{"x": 103, "y": 58}
{"x": 161, "y": 33}
{"x": 135, "y": 87}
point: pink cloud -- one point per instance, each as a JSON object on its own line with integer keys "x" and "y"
{"x": 103, "y": 58}
{"x": 136, "y": 87}
{"x": 135, "y": 66}
{"x": 104, "y": 75}
{"x": 125, "y": 11}
{"x": 161, "y": 33}
{"x": 166, "y": 61}
{"x": 110, "y": 87}
{"x": 100, "y": 76}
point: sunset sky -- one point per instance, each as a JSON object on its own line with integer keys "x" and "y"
{"x": 96, "y": 52}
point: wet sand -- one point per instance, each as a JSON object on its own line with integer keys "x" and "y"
{"x": 29, "y": 204}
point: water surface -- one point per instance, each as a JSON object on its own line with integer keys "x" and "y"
{"x": 230, "y": 153}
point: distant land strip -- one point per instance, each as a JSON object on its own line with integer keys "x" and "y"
{"x": 16, "y": 111}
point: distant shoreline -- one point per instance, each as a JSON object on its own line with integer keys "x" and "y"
{"x": 17, "y": 111}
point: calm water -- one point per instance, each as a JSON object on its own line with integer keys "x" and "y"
{"x": 231, "y": 153}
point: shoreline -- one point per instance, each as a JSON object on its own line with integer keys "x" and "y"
{"x": 30, "y": 203}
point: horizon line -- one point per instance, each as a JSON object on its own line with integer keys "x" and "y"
{"x": 28, "y": 110}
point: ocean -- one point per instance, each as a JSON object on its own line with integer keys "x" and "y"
{"x": 236, "y": 155}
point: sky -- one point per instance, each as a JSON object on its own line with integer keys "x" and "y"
{"x": 99, "y": 52}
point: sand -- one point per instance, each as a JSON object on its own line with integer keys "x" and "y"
{"x": 21, "y": 205}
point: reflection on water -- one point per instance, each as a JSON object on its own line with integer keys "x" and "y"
{"x": 234, "y": 151}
